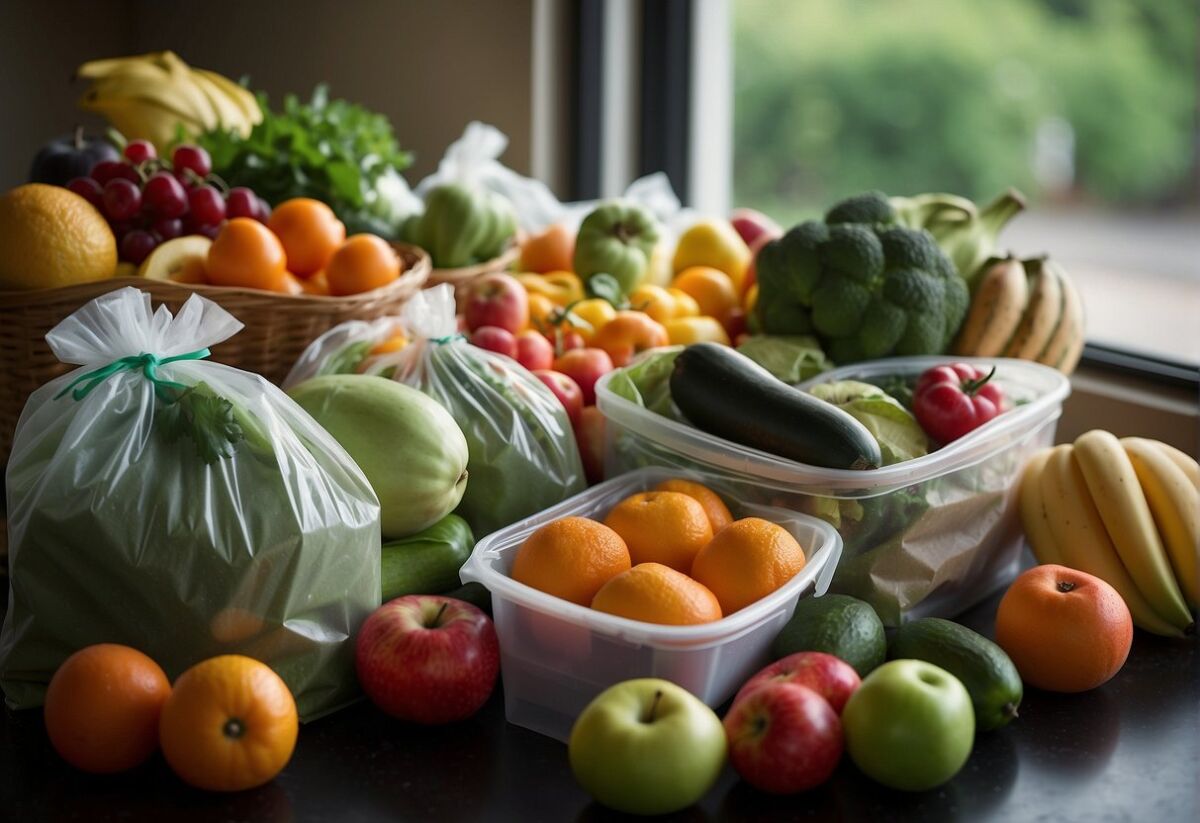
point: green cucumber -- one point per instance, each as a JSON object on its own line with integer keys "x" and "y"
{"x": 727, "y": 394}
{"x": 836, "y": 624}
{"x": 428, "y": 561}
{"x": 474, "y": 593}
{"x": 982, "y": 666}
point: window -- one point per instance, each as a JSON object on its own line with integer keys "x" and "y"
{"x": 1087, "y": 106}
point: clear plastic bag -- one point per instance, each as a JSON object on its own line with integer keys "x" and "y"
{"x": 182, "y": 507}
{"x": 474, "y": 159}
{"x": 523, "y": 456}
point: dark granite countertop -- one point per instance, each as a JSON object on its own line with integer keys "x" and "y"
{"x": 1129, "y": 750}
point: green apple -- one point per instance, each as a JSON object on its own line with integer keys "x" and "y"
{"x": 910, "y": 725}
{"x": 617, "y": 239}
{"x": 647, "y": 746}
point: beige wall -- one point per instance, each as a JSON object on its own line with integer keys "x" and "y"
{"x": 430, "y": 65}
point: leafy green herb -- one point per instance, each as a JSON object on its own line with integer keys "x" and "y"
{"x": 331, "y": 150}
{"x": 347, "y": 360}
{"x": 606, "y": 287}
{"x": 208, "y": 419}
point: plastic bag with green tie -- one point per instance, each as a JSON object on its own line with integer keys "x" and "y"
{"x": 183, "y": 507}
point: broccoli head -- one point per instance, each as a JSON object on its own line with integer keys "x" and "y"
{"x": 866, "y": 287}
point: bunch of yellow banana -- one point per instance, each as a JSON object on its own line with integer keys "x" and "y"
{"x": 1024, "y": 308}
{"x": 149, "y": 96}
{"x": 1127, "y": 511}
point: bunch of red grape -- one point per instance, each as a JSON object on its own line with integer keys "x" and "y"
{"x": 147, "y": 200}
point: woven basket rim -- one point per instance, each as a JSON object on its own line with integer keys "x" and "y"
{"x": 417, "y": 270}
{"x": 499, "y": 263}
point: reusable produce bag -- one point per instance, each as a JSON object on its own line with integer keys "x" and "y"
{"x": 523, "y": 456}
{"x": 182, "y": 507}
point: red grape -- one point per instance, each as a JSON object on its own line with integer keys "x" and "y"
{"x": 207, "y": 207}
{"x": 137, "y": 245}
{"x": 107, "y": 170}
{"x": 263, "y": 213}
{"x": 139, "y": 151}
{"x": 122, "y": 199}
{"x": 191, "y": 157}
{"x": 241, "y": 202}
{"x": 210, "y": 231}
{"x": 120, "y": 228}
{"x": 165, "y": 196}
{"x": 168, "y": 228}
{"x": 88, "y": 189}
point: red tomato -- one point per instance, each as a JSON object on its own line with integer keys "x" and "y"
{"x": 950, "y": 401}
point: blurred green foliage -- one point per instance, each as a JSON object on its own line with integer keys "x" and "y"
{"x": 837, "y": 96}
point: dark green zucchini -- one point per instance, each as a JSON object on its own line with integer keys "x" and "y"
{"x": 987, "y": 672}
{"x": 727, "y": 394}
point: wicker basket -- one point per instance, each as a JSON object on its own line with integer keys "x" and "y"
{"x": 460, "y": 278}
{"x": 277, "y": 326}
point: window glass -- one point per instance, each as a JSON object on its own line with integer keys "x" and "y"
{"x": 1087, "y": 106}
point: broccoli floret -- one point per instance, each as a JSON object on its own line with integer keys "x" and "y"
{"x": 838, "y": 305}
{"x": 854, "y": 251}
{"x": 871, "y": 207}
{"x": 866, "y": 288}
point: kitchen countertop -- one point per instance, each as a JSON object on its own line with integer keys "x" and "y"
{"x": 1129, "y": 750}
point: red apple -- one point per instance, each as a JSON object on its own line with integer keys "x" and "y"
{"x": 783, "y": 738}
{"x": 751, "y": 225}
{"x": 497, "y": 299}
{"x": 494, "y": 338}
{"x": 534, "y": 351}
{"x": 585, "y": 367}
{"x": 565, "y": 340}
{"x": 831, "y": 677}
{"x": 566, "y": 390}
{"x": 427, "y": 659}
{"x": 590, "y": 437}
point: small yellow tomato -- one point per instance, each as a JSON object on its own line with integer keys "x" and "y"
{"x": 654, "y": 301}
{"x": 541, "y": 312}
{"x": 683, "y": 331}
{"x": 594, "y": 313}
{"x": 685, "y": 304}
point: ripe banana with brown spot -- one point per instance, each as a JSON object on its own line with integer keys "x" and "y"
{"x": 1175, "y": 505}
{"x": 1041, "y": 313}
{"x": 1114, "y": 487}
{"x": 1033, "y": 513}
{"x": 997, "y": 307}
{"x": 1083, "y": 542}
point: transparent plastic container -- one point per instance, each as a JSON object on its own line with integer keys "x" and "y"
{"x": 925, "y": 537}
{"x": 556, "y": 656}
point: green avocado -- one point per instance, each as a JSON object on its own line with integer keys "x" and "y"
{"x": 837, "y": 624}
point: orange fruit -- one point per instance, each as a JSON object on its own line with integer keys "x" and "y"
{"x": 51, "y": 237}
{"x": 661, "y": 527}
{"x": 718, "y": 513}
{"x": 541, "y": 310}
{"x": 571, "y": 558}
{"x": 746, "y": 561}
{"x": 394, "y": 343}
{"x": 711, "y": 288}
{"x": 552, "y": 250}
{"x": 654, "y": 593}
{"x": 654, "y": 301}
{"x": 1065, "y": 630}
{"x": 309, "y": 231}
{"x": 291, "y": 284}
{"x": 102, "y": 708}
{"x": 362, "y": 263}
{"x": 229, "y": 724}
{"x": 246, "y": 253}
{"x": 316, "y": 284}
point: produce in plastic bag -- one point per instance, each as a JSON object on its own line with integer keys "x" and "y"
{"x": 182, "y": 507}
{"x": 523, "y": 456}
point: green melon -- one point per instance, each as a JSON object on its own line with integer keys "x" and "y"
{"x": 409, "y": 447}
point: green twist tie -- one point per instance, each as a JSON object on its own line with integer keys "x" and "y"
{"x": 148, "y": 363}
{"x": 450, "y": 338}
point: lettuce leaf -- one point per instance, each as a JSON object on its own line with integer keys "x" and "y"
{"x": 899, "y": 435}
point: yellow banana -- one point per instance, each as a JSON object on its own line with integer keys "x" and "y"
{"x": 137, "y": 119}
{"x": 1186, "y": 463}
{"x": 1041, "y": 313}
{"x": 1070, "y": 321}
{"x": 229, "y": 114}
{"x": 1083, "y": 542}
{"x": 1175, "y": 504}
{"x": 241, "y": 96}
{"x": 1033, "y": 514}
{"x": 1118, "y": 495}
{"x": 996, "y": 310}
{"x": 145, "y": 81}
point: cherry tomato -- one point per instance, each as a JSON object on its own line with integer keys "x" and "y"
{"x": 951, "y": 400}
